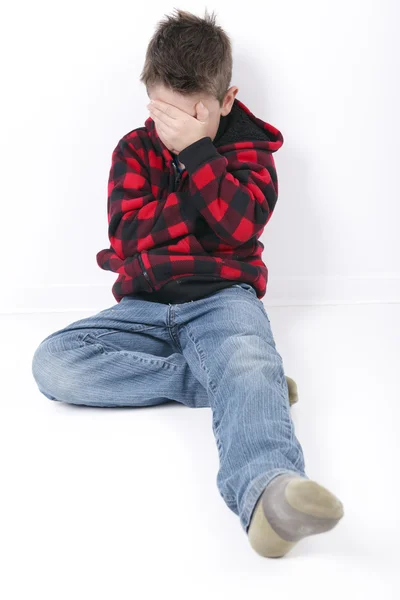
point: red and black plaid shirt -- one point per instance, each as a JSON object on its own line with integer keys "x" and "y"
{"x": 180, "y": 236}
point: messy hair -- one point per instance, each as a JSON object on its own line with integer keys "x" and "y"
{"x": 189, "y": 54}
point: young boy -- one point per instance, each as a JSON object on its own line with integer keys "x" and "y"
{"x": 189, "y": 195}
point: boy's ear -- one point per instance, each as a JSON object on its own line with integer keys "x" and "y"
{"x": 229, "y": 100}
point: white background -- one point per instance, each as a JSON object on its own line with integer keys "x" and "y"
{"x": 324, "y": 73}
{"x": 117, "y": 504}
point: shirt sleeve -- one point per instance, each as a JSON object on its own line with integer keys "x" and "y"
{"x": 137, "y": 220}
{"x": 235, "y": 192}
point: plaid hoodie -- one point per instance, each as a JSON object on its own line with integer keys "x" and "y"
{"x": 179, "y": 236}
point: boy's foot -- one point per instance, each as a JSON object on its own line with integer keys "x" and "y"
{"x": 290, "y": 508}
{"x": 292, "y": 388}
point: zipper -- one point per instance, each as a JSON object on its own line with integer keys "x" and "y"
{"x": 178, "y": 176}
{"x": 145, "y": 273}
{"x": 177, "y": 180}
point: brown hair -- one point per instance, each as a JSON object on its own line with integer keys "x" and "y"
{"x": 188, "y": 54}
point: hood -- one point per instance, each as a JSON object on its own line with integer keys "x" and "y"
{"x": 240, "y": 125}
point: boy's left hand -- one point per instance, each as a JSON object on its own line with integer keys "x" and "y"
{"x": 175, "y": 127}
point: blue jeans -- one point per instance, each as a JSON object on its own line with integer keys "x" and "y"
{"x": 217, "y": 351}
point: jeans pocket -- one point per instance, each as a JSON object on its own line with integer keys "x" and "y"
{"x": 247, "y": 287}
{"x": 262, "y": 306}
{"x": 250, "y": 290}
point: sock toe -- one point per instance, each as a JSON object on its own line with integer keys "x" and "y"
{"x": 312, "y": 499}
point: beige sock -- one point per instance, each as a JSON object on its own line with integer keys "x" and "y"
{"x": 291, "y": 508}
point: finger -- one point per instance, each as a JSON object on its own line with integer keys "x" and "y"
{"x": 165, "y": 129}
{"x": 163, "y": 117}
{"x": 162, "y": 131}
{"x": 169, "y": 109}
{"x": 202, "y": 112}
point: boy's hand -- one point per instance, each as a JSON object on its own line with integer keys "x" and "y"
{"x": 175, "y": 127}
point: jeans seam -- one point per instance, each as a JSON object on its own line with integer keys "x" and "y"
{"x": 298, "y": 460}
{"x": 138, "y": 330}
{"x": 200, "y": 354}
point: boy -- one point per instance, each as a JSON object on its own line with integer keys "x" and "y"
{"x": 189, "y": 195}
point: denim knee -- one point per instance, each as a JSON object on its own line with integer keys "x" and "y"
{"x": 48, "y": 370}
{"x": 41, "y": 365}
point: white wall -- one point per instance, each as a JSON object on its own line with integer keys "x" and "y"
{"x": 324, "y": 73}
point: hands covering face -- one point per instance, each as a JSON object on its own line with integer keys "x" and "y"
{"x": 176, "y": 128}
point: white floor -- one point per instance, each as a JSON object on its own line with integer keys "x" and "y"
{"x": 122, "y": 503}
